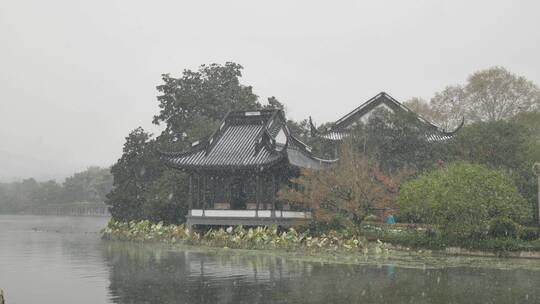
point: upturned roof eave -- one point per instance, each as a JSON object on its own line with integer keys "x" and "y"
{"x": 225, "y": 167}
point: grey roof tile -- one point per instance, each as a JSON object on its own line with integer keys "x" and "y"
{"x": 246, "y": 140}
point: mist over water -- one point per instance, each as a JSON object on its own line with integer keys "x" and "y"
{"x": 52, "y": 259}
{"x": 62, "y": 260}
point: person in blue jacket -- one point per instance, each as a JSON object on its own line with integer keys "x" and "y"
{"x": 390, "y": 220}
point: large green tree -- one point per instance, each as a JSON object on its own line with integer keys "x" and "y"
{"x": 496, "y": 144}
{"x": 397, "y": 140}
{"x": 511, "y": 146}
{"x": 531, "y": 122}
{"x": 191, "y": 107}
{"x": 133, "y": 175}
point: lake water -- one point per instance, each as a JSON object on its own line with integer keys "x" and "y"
{"x": 62, "y": 260}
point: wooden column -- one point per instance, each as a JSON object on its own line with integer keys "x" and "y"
{"x": 257, "y": 193}
{"x": 212, "y": 192}
{"x": 190, "y": 194}
{"x": 273, "y": 188}
{"x": 228, "y": 191}
{"x": 536, "y": 170}
{"x": 204, "y": 194}
{"x": 199, "y": 193}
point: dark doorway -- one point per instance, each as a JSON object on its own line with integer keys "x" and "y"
{"x": 238, "y": 194}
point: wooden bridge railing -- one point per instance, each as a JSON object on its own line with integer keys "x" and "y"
{"x": 75, "y": 209}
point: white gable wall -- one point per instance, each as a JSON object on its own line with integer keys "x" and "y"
{"x": 364, "y": 118}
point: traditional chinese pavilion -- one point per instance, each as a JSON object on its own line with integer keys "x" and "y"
{"x": 235, "y": 173}
{"x": 342, "y": 127}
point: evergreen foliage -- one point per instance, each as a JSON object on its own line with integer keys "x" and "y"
{"x": 511, "y": 146}
{"x": 503, "y": 227}
{"x": 134, "y": 174}
{"x": 397, "y": 140}
{"x": 462, "y": 199}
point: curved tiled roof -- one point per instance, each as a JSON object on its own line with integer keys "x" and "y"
{"x": 246, "y": 140}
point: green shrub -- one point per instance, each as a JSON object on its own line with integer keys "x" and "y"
{"x": 462, "y": 199}
{"x": 503, "y": 227}
{"x": 529, "y": 233}
{"x": 510, "y": 145}
{"x": 338, "y": 222}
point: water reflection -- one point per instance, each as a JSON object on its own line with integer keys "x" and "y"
{"x": 62, "y": 260}
{"x": 154, "y": 274}
{"x": 141, "y": 273}
{"x": 52, "y": 260}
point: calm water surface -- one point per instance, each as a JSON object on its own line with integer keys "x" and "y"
{"x": 62, "y": 260}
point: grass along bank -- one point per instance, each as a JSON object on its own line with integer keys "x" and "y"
{"x": 429, "y": 237}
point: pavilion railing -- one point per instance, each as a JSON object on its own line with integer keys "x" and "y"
{"x": 249, "y": 213}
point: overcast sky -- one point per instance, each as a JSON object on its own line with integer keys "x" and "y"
{"x": 77, "y": 76}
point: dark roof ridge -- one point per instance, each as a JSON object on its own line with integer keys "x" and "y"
{"x": 346, "y": 117}
{"x": 212, "y": 139}
{"x": 260, "y": 110}
{"x": 264, "y": 129}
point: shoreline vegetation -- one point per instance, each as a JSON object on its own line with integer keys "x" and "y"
{"x": 83, "y": 190}
{"x": 374, "y": 240}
